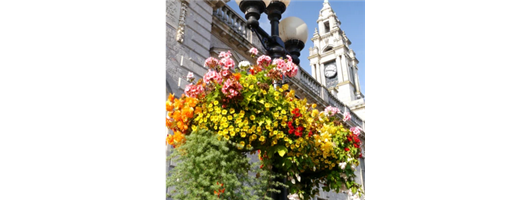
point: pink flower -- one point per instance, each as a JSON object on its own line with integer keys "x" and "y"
{"x": 211, "y": 62}
{"x": 289, "y": 58}
{"x": 280, "y": 65}
{"x": 227, "y": 63}
{"x": 225, "y": 54}
{"x": 330, "y": 111}
{"x": 231, "y": 88}
{"x": 347, "y": 117}
{"x": 190, "y": 76}
{"x": 225, "y": 73}
{"x": 193, "y": 90}
{"x": 264, "y": 59}
{"x": 291, "y": 69}
{"x": 356, "y": 130}
{"x": 253, "y": 51}
{"x": 212, "y": 75}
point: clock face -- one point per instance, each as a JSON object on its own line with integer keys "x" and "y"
{"x": 330, "y": 70}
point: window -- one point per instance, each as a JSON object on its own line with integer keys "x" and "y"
{"x": 326, "y": 27}
{"x": 328, "y": 49}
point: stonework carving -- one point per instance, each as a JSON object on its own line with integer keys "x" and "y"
{"x": 182, "y": 21}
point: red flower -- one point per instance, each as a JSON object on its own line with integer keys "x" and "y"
{"x": 346, "y": 149}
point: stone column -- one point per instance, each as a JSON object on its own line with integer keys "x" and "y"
{"x": 315, "y": 72}
{"x": 339, "y": 69}
{"x": 344, "y": 67}
{"x": 357, "y": 82}
{"x": 322, "y": 78}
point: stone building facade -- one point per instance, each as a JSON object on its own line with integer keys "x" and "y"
{"x": 198, "y": 29}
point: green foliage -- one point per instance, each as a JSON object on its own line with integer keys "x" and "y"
{"x": 204, "y": 163}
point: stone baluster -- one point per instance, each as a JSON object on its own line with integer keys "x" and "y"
{"x": 219, "y": 12}
{"x": 239, "y": 27}
{"x": 225, "y": 14}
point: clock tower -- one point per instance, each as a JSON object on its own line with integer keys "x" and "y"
{"x": 333, "y": 63}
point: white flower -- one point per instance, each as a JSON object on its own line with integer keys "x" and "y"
{"x": 342, "y": 165}
{"x": 298, "y": 177}
{"x": 243, "y": 64}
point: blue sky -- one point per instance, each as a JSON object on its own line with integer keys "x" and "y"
{"x": 350, "y": 13}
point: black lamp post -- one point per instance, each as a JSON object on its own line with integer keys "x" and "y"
{"x": 292, "y": 30}
{"x": 287, "y": 37}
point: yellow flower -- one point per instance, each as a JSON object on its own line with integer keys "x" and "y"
{"x": 281, "y": 90}
{"x": 243, "y": 134}
{"x": 251, "y": 87}
{"x": 242, "y": 143}
{"x": 262, "y": 139}
{"x": 314, "y": 105}
{"x": 230, "y": 117}
{"x": 276, "y": 115}
{"x": 249, "y": 146}
{"x": 267, "y": 105}
{"x": 252, "y": 117}
{"x": 285, "y": 86}
{"x": 276, "y": 93}
{"x": 225, "y": 111}
{"x": 215, "y": 102}
{"x": 258, "y": 129}
{"x": 232, "y": 111}
{"x": 210, "y": 105}
{"x": 253, "y": 137}
{"x": 283, "y": 112}
{"x": 227, "y": 137}
{"x": 232, "y": 133}
{"x": 274, "y": 142}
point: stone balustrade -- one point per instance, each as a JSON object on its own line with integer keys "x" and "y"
{"x": 232, "y": 19}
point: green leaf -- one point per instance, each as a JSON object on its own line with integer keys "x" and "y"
{"x": 281, "y": 150}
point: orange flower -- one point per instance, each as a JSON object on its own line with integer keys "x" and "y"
{"x": 168, "y": 123}
{"x": 178, "y": 104}
{"x": 180, "y": 125}
{"x": 171, "y": 97}
{"x": 176, "y": 115}
{"x": 198, "y": 110}
{"x": 237, "y": 76}
{"x": 169, "y": 106}
{"x": 169, "y": 139}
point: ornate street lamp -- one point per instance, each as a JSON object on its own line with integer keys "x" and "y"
{"x": 287, "y": 37}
